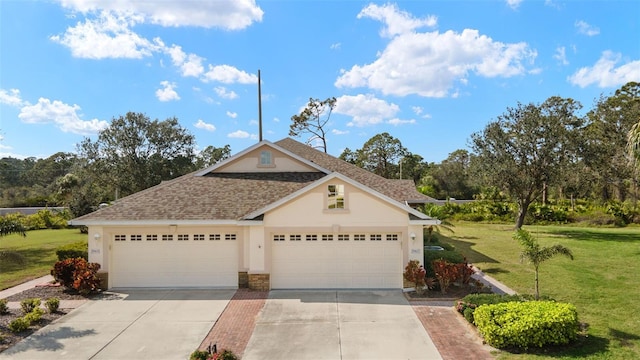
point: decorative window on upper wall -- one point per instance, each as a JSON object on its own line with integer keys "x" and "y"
{"x": 335, "y": 199}
{"x": 265, "y": 158}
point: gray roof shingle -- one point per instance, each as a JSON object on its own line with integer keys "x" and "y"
{"x": 230, "y": 196}
{"x": 399, "y": 190}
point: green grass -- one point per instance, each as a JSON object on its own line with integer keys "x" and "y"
{"x": 39, "y": 251}
{"x": 603, "y": 280}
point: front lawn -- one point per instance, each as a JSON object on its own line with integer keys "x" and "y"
{"x": 603, "y": 281}
{"x": 39, "y": 251}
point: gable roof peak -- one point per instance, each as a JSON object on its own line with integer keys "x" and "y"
{"x": 256, "y": 146}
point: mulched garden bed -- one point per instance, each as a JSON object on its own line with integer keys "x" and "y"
{"x": 7, "y": 338}
{"x": 45, "y": 292}
{"x": 454, "y": 292}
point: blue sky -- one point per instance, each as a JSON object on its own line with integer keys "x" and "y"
{"x": 428, "y": 72}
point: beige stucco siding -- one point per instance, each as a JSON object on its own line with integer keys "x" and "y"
{"x": 250, "y": 163}
{"x": 362, "y": 210}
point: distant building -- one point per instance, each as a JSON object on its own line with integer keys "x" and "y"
{"x": 29, "y": 210}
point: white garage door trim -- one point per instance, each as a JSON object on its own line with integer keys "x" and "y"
{"x": 336, "y": 261}
{"x": 174, "y": 260}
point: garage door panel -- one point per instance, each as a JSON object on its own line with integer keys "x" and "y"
{"x": 336, "y": 264}
{"x": 174, "y": 264}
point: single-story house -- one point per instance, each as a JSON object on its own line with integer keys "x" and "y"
{"x": 277, "y": 215}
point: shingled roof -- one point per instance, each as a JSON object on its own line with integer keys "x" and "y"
{"x": 399, "y": 190}
{"x": 230, "y": 196}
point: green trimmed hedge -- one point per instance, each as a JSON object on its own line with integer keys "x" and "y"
{"x": 468, "y": 304}
{"x": 71, "y": 251}
{"x": 527, "y": 324}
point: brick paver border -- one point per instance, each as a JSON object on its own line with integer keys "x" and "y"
{"x": 235, "y": 325}
{"x": 450, "y": 333}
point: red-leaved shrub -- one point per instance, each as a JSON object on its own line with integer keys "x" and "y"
{"x": 446, "y": 273}
{"x": 77, "y": 274}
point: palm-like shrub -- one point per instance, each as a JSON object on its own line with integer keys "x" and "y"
{"x": 535, "y": 254}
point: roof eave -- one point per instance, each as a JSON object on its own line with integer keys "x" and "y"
{"x": 162, "y": 222}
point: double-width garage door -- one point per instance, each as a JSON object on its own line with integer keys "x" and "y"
{"x": 174, "y": 260}
{"x": 336, "y": 261}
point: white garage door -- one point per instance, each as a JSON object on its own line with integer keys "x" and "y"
{"x": 176, "y": 260}
{"x": 343, "y": 261}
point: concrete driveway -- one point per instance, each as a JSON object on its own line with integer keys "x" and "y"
{"x": 141, "y": 324}
{"x": 339, "y": 325}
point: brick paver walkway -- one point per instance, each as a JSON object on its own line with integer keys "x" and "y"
{"x": 451, "y": 334}
{"x": 234, "y": 327}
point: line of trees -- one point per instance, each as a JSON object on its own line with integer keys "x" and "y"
{"x": 130, "y": 155}
{"x": 531, "y": 152}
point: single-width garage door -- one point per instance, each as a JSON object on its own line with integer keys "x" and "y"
{"x": 174, "y": 260}
{"x": 336, "y": 261}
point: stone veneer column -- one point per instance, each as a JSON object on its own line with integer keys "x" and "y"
{"x": 259, "y": 282}
{"x": 243, "y": 280}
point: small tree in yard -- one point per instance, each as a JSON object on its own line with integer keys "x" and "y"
{"x": 533, "y": 253}
{"x": 415, "y": 273}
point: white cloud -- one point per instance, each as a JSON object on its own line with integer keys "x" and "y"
{"x": 335, "y": 46}
{"x": 238, "y": 135}
{"x": 228, "y": 75}
{"x": 225, "y": 14}
{"x": 16, "y": 156}
{"x": 254, "y": 136}
{"x": 339, "y": 132}
{"x": 167, "y": 93}
{"x": 189, "y": 64}
{"x": 232, "y": 115}
{"x": 253, "y": 122}
{"x": 275, "y": 119}
{"x": 365, "y": 109}
{"x": 514, "y": 4}
{"x": 107, "y": 36}
{"x": 65, "y": 117}
{"x": 553, "y": 4}
{"x": 417, "y": 110}
{"x": 12, "y": 98}
{"x": 396, "y": 21}
{"x": 430, "y": 64}
{"x": 561, "y": 55}
{"x": 605, "y": 73}
{"x": 586, "y": 29}
{"x": 224, "y": 93}
{"x": 204, "y": 126}
{"x": 396, "y": 121}
{"x": 4, "y": 147}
